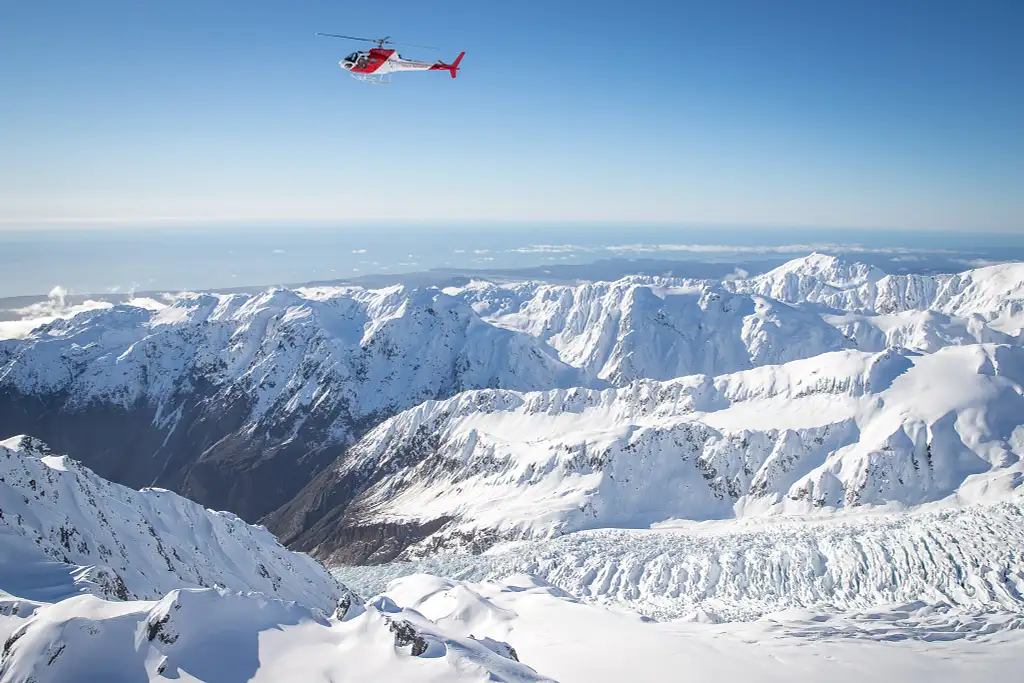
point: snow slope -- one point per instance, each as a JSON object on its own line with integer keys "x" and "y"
{"x": 994, "y": 294}
{"x": 654, "y": 328}
{"x": 224, "y": 637}
{"x": 65, "y": 531}
{"x": 837, "y": 431}
{"x": 577, "y": 642}
{"x": 69, "y": 539}
{"x": 237, "y": 401}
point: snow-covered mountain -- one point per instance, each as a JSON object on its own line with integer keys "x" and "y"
{"x": 237, "y": 401}
{"x": 836, "y": 431}
{"x": 994, "y": 294}
{"x": 65, "y": 531}
{"x": 656, "y": 329}
{"x": 813, "y": 278}
{"x": 100, "y": 582}
{"x": 252, "y": 403}
{"x": 821, "y": 437}
{"x": 660, "y": 328}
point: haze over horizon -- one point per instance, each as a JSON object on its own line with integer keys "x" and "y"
{"x": 881, "y": 115}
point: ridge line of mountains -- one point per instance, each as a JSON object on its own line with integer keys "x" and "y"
{"x": 363, "y": 425}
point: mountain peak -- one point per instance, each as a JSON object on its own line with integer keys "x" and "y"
{"x": 830, "y": 269}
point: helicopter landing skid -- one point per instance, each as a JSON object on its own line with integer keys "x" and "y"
{"x": 376, "y": 79}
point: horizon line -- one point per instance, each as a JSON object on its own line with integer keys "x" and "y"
{"x": 86, "y": 222}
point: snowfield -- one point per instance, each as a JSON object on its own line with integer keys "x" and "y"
{"x": 577, "y": 642}
{"x": 218, "y": 636}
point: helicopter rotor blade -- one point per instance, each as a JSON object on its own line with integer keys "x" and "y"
{"x": 424, "y": 47}
{"x": 335, "y": 35}
{"x": 380, "y": 41}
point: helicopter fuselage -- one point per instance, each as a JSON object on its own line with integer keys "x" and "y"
{"x": 378, "y": 62}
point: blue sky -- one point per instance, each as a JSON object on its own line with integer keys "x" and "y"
{"x": 821, "y": 113}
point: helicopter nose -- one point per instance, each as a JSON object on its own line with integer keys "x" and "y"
{"x": 345, "y": 65}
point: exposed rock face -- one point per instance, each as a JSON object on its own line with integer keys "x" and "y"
{"x": 406, "y": 635}
{"x": 349, "y": 606}
{"x": 239, "y": 401}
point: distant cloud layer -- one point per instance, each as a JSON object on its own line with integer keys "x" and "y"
{"x": 641, "y": 248}
{"x": 56, "y": 306}
{"x": 777, "y": 249}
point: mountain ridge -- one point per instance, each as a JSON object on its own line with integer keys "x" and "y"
{"x": 250, "y": 402}
{"x": 835, "y": 431}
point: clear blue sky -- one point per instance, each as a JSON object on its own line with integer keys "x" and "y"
{"x": 825, "y": 113}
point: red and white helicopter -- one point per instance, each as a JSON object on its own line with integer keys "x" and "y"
{"x": 377, "y": 64}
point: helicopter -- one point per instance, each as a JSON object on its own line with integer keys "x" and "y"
{"x": 377, "y": 64}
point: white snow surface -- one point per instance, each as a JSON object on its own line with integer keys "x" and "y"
{"x": 839, "y": 431}
{"x": 219, "y": 636}
{"x": 577, "y": 642}
{"x": 66, "y": 531}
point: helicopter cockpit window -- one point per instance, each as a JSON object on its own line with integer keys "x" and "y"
{"x": 354, "y": 57}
